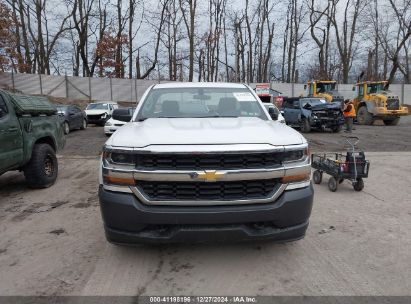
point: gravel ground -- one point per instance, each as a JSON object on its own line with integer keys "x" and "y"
{"x": 52, "y": 241}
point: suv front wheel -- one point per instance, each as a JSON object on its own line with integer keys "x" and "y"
{"x": 41, "y": 171}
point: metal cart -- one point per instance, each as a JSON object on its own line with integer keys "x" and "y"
{"x": 351, "y": 166}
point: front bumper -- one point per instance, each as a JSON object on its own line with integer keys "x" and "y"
{"x": 384, "y": 113}
{"x": 127, "y": 220}
{"x": 91, "y": 119}
{"x": 110, "y": 129}
{"x": 327, "y": 123}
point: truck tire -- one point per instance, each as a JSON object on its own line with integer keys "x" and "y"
{"x": 66, "y": 128}
{"x": 364, "y": 117}
{"x": 305, "y": 126}
{"x": 392, "y": 122}
{"x": 42, "y": 169}
{"x": 83, "y": 124}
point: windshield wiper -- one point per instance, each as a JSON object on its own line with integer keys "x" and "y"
{"x": 169, "y": 117}
{"x": 219, "y": 116}
{"x": 142, "y": 119}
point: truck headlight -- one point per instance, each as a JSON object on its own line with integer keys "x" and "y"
{"x": 295, "y": 155}
{"x": 118, "y": 168}
{"x": 119, "y": 157}
{"x": 104, "y": 115}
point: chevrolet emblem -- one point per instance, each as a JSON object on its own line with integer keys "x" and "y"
{"x": 210, "y": 175}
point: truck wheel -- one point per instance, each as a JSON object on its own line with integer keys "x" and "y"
{"x": 336, "y": 129}
{"x": 317, "y": 176}
{"x": 41, "y": 171}
{"x": 364, "y": 117}
{"x": 66, "y": 128}
{"x": 305, "y": 126}
{"x": 332, "y": 184}
{"x": 358, "y": 185}
{"x": 83, "y": 125}
{"x": 392, "y": 122}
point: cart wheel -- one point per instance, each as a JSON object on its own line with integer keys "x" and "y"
{"x": 332, "y": 184}
{"x": 341, "y": 181}
{"x": 318, "y": 177}
{"x": 358, "y": 185}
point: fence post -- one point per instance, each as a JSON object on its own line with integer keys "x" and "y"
{"x": 403, "y": 93}
{"x": 41, "y": 85}
{"x": 111, "y": 90}
{"x": 12, "y": 80}
{"x": 67, "y": 89}
{"x": 135, "y": 88}
{"x": 89, "y": 88}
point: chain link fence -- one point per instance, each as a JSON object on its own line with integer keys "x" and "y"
{"x": 131, "y": 90}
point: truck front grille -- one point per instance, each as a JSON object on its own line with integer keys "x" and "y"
{"x": 236, "y": 190}
{"x": 328, "y": 114}
{"x": 393, "y": 104}
{"x": 94, "y": 117}
{"x": 220, "y": 161}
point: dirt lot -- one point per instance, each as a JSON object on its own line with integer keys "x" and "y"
{"x": 52, "y": 241}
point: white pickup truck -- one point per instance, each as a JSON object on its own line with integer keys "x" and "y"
{"x": 204, "y": 162}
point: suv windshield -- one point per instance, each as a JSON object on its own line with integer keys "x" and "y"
{"x": 200, "y": 103}
{"x": 97, "y": 106}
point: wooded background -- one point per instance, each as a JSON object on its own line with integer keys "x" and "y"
{"x": 212, "y": 40}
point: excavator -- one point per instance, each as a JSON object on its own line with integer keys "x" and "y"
{"x": 323, "y": 89}
{"x": 375, "y": 101}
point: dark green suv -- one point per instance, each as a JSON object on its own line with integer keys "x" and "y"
{"x": 30, "y": 135}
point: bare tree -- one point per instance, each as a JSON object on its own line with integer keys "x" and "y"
{"x": 345, "y": 33}
{"x": 188, "y": 9}
{"x": 320, "y": 27}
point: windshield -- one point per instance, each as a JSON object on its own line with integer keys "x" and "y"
{"x": 200, "y": 103}
{"x": 312, "y": 102}
{"x": 376, "y": 87}
{"x": 97, "y": 106}
{"x": 325, "y": 87}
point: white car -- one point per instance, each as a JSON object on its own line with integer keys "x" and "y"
{"x": 119, "y": 118}
{"x": 204, "y": 162}
{"x": 99, "y": 112}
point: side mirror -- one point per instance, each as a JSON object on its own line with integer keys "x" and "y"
{"x": 273, "y": 113}
{"x": 305, "y": 87}
{"x": 125, "y": 118}
{"x": 353, "y": 88}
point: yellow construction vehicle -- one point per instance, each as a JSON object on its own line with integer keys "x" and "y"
{"x": 323, "y": 89}
{"x": 375, "y": 101}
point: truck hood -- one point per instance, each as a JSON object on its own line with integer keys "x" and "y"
{"x": 204, "y": 131}
{"x": 95, "y": 112}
